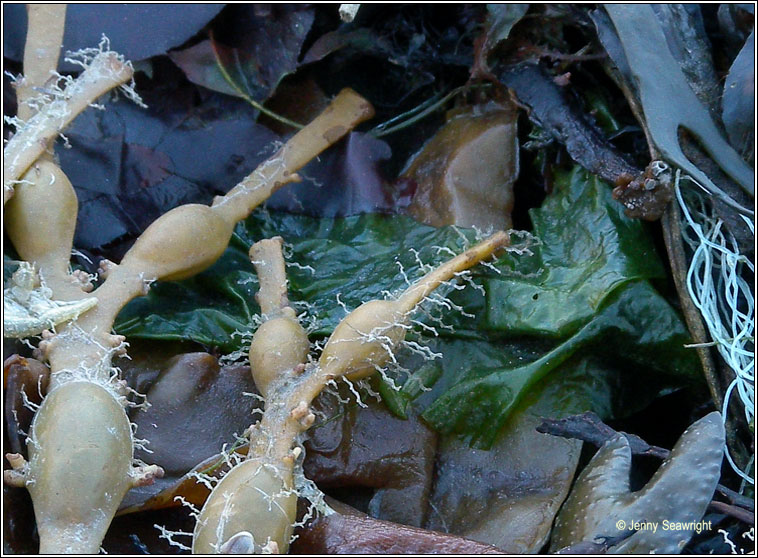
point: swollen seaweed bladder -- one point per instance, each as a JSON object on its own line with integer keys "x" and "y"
{"x": 81, "y": 443}
{"x": 253, "y": 506}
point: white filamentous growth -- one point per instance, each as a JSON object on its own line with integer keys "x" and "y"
{"x": 716, "y": 283}
{"x": 102, "y": 372}
{"x": 104, "y": 70}
{"x": 169, "y": 536}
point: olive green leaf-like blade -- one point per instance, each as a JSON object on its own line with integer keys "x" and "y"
{"x": 662, "y": 516}
{"x": 597, "y": 495}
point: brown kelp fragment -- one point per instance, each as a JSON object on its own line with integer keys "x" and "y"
{"x": 465, "y": 173}
{"x": 192, "y": 388}
{"x": 366, "y": 448}
{"x": 355, "y": 533}
{"x": 600, "y": 505}
{"x": 176, "y": 492}
{"x": 512, "y": 491}
{"x": 25, "y": 384}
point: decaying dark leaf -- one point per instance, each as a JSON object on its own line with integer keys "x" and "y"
{"x": 199, "y": 63}
{"x": 368, "y": 448}
{"x": 138, "y": 31}
{"x": 24, "y": 385}
{"x": 600, "y": 505}
{"x": 498, "y": 24}
{"x": 344, "y": 181}
{"x": 361, "y": 39}
{"x": 500, "y": 20}
{"x": 137, "y": 534}
{"x": 268, "y": 49}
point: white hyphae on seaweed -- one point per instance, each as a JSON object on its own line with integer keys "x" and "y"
{"x": 253, "y": 507}
{"x": 63, "y": 101}
{"x": 81, "y": 443}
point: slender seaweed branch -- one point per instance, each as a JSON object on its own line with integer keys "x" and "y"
{"x": 106, "y": 71}
{"x": 421, "y": 111}
{"x": 244, "y": 95}
{"x": 41, "y": 53}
